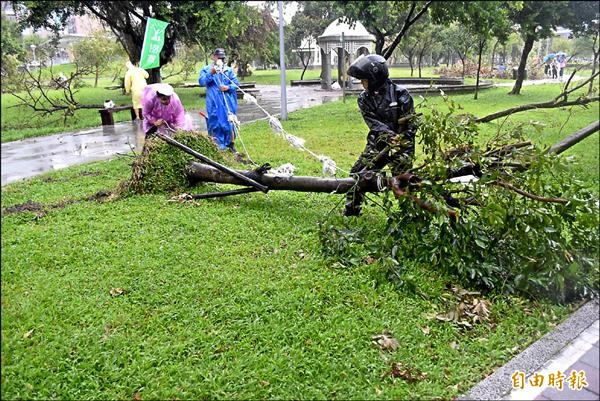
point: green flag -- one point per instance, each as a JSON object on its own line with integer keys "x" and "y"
{"x": 154, "y": 39}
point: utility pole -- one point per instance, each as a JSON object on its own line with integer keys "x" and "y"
{"x": 282, "y": 63}
{"x": 343, "y": 72}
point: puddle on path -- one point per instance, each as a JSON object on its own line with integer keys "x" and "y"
{"x": 30, "y": 157}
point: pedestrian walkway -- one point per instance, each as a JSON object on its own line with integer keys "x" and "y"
{"x": 562, "y": 365}
{"x": 33, "y": 156}
{"x": 528, "y": 82}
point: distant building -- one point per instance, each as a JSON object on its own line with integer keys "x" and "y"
{"x": 309, "y": 47}
{"x": 562, "y": 32}
{"x": 77, "y": 28}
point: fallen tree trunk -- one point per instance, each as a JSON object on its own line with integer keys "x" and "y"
{"x": 580, "y": 135}
{"x": 369, "y": 181}
{"x": 198, "y": 172}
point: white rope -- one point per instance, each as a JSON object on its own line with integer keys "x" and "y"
{"x": 329, "y": 165}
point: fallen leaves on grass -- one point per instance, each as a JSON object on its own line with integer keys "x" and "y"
{"x": 411, "y": 375}
{"x": 466, "y": 308}
{"x": 115, "y": 292}
{"x": 184, "y": 198}
{"x": 28, "y": 334}
{"x": 385, "y": 342}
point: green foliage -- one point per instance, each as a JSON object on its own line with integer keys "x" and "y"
{"x": 206, "y": 22}
{"x": 161, "y": 168}
{"x": 544, "y": 248}
{"x": 258, "y": 38}
{"x": 97, "y": 52}
{"x": 233, "y": 293}
{"x": 11, "y": 41}
{"x": 538, "y": 18}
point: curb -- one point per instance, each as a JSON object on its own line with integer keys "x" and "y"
{"x": 498, "y": 384}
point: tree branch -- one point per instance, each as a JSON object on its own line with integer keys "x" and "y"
{"x": 566, "y": 143}
{"x": 526, "y": 194}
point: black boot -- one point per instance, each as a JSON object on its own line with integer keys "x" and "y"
{"x": 351, "y": 210}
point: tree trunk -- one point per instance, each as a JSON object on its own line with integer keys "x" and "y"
{"x": 493, "y": 55}
{"x": 521, "y": 71}
{"x": 199, "y": 172}
{"x": 96, "y": 78}
{"x": 154, "y": 76}
{"x": 420, "y": 62}
{"x": 481, "y": 46}
{"x": 242, "y": 69}
{"x": 594, "y": 64}
{"x": 305, "y": 65}
{"x": 464, "y": 61}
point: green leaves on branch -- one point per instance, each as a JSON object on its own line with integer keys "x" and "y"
{"x": 525, "y": 226}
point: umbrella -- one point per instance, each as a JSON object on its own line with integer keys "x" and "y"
{"x": 549, "y": 56}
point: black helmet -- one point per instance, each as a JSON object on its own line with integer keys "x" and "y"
{"x": 220, "y": 53}
{"x": 372, "y": 67}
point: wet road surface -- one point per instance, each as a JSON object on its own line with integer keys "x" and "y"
{"x": 29, "y": 157}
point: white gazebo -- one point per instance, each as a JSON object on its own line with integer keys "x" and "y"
{"x": 348, "y": 42}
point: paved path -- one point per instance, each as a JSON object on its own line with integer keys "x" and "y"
{"x": 33, "y": 156}
{"x": 571, "y": 347}
{"x": 541, "y": 81}
{"x": 30, "y": 157}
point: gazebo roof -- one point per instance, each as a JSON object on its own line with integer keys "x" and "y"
{"x": 354, "y": 37}
{"x": 335, "y": 29}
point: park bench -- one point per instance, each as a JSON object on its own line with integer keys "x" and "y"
{"x": 107, "y": 114}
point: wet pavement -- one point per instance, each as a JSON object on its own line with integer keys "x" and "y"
{"x": 30, "y": 157}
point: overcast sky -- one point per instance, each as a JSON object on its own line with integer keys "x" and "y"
{"x": 289, "y": 9}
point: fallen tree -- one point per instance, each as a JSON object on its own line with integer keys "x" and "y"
{"x": 503, "y": 215}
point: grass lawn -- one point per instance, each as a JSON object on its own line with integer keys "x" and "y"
{"x": 231, "y": 298}
{"x": 19, "y": 122}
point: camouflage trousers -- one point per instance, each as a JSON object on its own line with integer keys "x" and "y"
{"x": 399, "y": 159}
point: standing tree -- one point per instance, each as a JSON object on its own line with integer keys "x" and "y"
{"x": 585, "y": 24}
{"x": 388, "y": 21}
{"x": 97, "y": 52}
{"x": 12, "y": 50}
{"x": 426, "y": 36}
{"x": 308, "y": 23}
{"x": 409, "y": 50}
{"x": 255, "y": 39}
{"x": 535, "y": 21}
{"x": 485, "y": 20}
{"x": 461, "y": 42}
{"x": 206, "y": 22}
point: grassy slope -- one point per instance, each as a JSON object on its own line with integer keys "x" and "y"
{"x": 230, "y": 298}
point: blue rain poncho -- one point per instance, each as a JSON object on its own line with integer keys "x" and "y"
{"x": 219, "y": 103}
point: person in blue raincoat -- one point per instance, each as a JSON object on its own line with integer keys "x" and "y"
{"x": 221, "y": 99}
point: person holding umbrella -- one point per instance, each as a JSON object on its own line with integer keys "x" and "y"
{"x": 548, "y": 59}
{"x": 561, "y": 59}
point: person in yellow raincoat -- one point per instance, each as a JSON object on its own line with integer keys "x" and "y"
{"x": 135, "y": 82}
